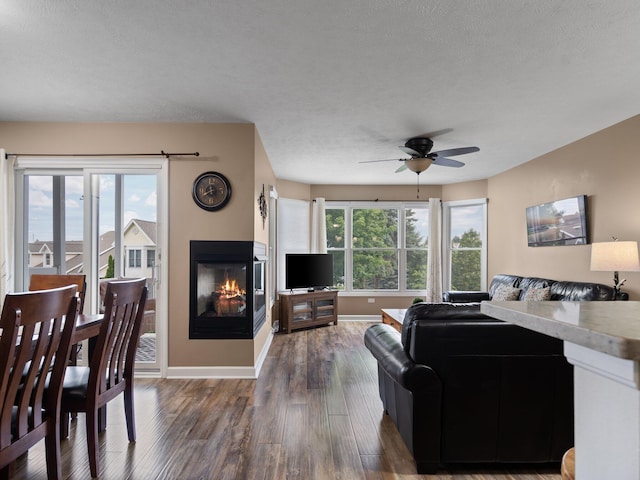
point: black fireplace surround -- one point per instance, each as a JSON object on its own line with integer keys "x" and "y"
{"x": 226, "y": 289}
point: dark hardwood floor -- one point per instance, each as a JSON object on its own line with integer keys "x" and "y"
{"x": 314, "y": 413}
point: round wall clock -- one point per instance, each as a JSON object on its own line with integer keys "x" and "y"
{"x": 211, "y": 191}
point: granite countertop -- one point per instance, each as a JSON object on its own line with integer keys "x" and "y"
{"x": 608, "y": 327}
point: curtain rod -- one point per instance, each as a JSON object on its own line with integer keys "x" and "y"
{"x": 161, "y": 154}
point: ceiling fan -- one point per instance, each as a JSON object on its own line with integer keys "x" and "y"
{"x": 422, "y": 157}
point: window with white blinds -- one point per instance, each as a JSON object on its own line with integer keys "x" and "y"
{"x": 294, "y": 225}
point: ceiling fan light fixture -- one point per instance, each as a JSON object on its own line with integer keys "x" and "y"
{"x": 418, "y": 165}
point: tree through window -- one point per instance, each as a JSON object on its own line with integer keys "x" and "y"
{"x": 466, "y": 248}
{"x": 378, "y": 247}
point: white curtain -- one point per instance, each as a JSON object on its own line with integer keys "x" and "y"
{"x": 434, "y": 260}
{"x": 7, "y": 224}
{"x": 318, "y": 227}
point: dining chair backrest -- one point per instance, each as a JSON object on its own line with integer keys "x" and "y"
{"x": 37, "y": 329}
{"x": 113, "y": 359}
{"x": 44, "y": 281}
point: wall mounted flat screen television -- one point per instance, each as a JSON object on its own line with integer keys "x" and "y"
{"x": 312, "y": 271}
{"x": 562, "y": 222}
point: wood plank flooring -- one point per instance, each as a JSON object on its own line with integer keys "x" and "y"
{"x": 314, "y": 413}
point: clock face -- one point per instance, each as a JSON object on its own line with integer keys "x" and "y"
{"x": 211, "y": 191}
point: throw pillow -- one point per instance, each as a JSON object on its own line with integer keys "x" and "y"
{"x": 506, "y": 293}
{"x": 537, "y": 294}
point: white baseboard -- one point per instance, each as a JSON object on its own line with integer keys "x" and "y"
{"x": 250, "y": 372}
{"x": 211, "y": 372}
{"x": 146, "y": 374}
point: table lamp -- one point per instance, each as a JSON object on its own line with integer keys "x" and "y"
{"x": 615, "y": 257}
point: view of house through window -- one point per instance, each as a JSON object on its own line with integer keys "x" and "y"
{"x": 125, "y": 225}
{"x": 54, "y": 202}
{"x": 378, "y": 247}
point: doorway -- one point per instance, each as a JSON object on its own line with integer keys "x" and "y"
{"x": 99, "y": 220}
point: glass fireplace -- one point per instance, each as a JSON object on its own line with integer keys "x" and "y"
{"x": 227, "y": 295}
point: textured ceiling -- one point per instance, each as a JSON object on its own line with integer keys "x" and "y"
{"x": 331, "y": 83}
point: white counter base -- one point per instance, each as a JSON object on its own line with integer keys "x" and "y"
{"x": 602, "y": 341}
{"x": 607, "y": 415}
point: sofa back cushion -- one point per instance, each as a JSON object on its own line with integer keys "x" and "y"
{"x": 437, "y": 312}
{"x": 566, "y": 291}
{"x": 581, "y": 291}
{"x": 503, "y": 279}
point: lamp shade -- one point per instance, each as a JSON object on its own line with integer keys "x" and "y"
{"x": 615, "y": 257}
{"x": 418, "y": 165}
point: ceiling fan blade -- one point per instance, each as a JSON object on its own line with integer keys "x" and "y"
{"x": 447, "y": 162}
{"x": 401, "y": 168}
{"x": 436, "y": 133}
{"x": 410, "y": 151}
{"x": 386, "y": 160}
{"x": 455, "y": 151}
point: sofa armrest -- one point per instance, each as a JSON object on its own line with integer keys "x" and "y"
{"x": 383, "y": 341}
{"x": 464, "y": 296}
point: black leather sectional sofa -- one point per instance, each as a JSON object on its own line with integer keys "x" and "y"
{"x": 462, "y": 387}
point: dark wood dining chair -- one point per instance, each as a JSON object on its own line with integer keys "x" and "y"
{"x": 37, "y": 329}
{"x": 110, "y": 370}
{"x": 45, "y": 281}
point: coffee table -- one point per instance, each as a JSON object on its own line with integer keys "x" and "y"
{"x": 393, "y": 317}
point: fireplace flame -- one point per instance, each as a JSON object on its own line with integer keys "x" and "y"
{"x": 231, "y": 289}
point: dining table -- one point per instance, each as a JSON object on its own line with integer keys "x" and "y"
{"x": 87, "y": 327}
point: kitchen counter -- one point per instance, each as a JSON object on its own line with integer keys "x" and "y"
{"x": 608, "y": 327}
{"x": 602, "y": 341}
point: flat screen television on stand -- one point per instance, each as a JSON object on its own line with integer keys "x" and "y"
{"x": 562, "y": 222}
{"x": 312, "y": 271}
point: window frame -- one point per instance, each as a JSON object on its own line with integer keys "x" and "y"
{"x": 447, "y": 237}
{"x": 135, "y": 257}
{"x": 400, "y": 248}
{"x": 150, "y": 253}
{"x": 89, "y": 169}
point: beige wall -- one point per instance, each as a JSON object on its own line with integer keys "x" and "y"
{"x": 264, "y": 177}
{"x": 227, "y": 148}
{"x": 376, "y": 192}
{"x": 230, "y": 150}
{"x": 293, "y": 190}
{"x": 606, "y": 167}
{"x": 465, "y": 191}
{"x": 603, "y": 166}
